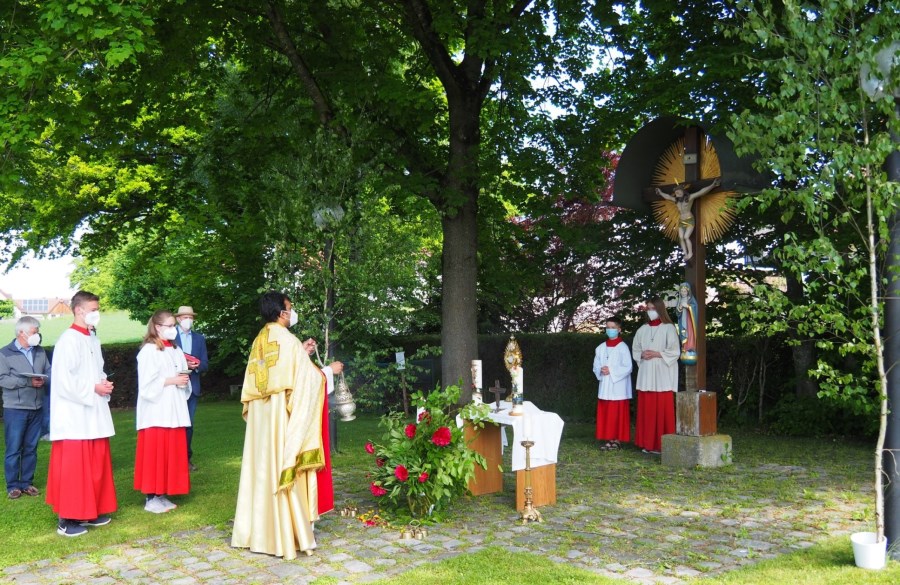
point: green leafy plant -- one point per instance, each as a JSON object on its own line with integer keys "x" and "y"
{"x": 423, "y": 465}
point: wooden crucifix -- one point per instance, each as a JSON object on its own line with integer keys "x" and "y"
{"x": 497, "y": 391}
{"x": 690, "y": 222}
{"x": 693, "y": 176}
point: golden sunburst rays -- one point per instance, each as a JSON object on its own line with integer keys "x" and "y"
{"x": 716, "y": 210}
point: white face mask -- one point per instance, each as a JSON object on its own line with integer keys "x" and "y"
{"x": 34, "y": 340}
{"x": 92, "y": 318}
{"x": 653, "y": 315}
{"x": 186, "y": 324}
{"x": 168, "y": 333}
{"x": 294, "y": 318}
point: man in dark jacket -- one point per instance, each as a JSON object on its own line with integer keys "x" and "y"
{"x": 24, "y": 375}
{"x": 194, "y": 346}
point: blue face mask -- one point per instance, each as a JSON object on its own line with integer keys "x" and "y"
{"x": 612, "y": 333}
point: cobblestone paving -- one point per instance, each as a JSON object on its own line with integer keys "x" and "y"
{"x": 619, "y": 514}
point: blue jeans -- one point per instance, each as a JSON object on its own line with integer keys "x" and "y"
{"x": 192, "y": 408}
{"x": 21, "y": 430}
{"x": 45, "y": 412}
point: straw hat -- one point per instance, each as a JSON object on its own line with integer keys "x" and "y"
{"x": 184, "y": 310}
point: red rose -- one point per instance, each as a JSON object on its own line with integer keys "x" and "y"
{"x": 424, "y": 415}
{"x": 441, "y": 437}
{"x": 401, "y": 472}
{"x": 379, "y": 462}
{"x": 423, "y": 477}
{"x": 410, "y": 430}
{"x": 370, "y": 448}
{"x": 377, "y": 490}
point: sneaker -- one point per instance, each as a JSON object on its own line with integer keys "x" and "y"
{"x": 192, "y": 467}
{"x": 70, "y": 528}
{"x": 155, "y": 505}
{"x": 45, "y": 437}
{"x": 98, "y": 521}
{"x": 167, "y": 503}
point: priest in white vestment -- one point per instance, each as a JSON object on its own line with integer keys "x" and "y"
{"x": 283, "y": 397}
{"x": 655, "y": 348}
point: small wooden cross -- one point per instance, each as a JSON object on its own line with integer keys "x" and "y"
{"x": 497, "y": 391}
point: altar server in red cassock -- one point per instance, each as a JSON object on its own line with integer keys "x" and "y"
{"x": 79, "y": 481}
{"x": 612, "y": 366}
{"x": 161, "y": 459}
{"x": 656, "y": 349}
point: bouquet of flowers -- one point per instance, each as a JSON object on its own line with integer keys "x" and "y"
{"x": 425, "y": 464}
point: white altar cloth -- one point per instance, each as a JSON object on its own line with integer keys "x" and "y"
{"x": 546, "y": 430}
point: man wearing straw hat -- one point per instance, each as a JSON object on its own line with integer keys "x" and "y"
{"x": 193, "y": 345}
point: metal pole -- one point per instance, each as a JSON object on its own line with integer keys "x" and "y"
{"x": 892, "y": 363}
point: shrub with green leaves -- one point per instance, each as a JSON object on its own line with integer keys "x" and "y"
{"x": 423, "y": 465}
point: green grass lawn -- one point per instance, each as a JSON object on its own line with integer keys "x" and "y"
{"x": 218, "y": 441}
{"x": 30, "y": 523}
{"x": 829, "y": 563}
{"x": 114, "y": 327}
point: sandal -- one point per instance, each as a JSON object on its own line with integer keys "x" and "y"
{"x": 613, "y": 446}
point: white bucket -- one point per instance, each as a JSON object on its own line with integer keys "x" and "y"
{"x": 868, "y": 553}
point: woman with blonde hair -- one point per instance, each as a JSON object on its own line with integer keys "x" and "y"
{"x": 161, "y": 462}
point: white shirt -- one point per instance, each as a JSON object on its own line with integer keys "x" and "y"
{"x": 76, "y": 411}
{"x": 617, "y": 384}
{"x": 159, "y": 405}
{"x": 657, "y": 374}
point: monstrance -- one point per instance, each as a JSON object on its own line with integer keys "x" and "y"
{"x": 512, "y": 359}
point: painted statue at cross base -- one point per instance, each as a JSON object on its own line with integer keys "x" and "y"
{"x": 686, "y": 307}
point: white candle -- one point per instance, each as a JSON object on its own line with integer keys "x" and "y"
{"x": 476, "y": 374}
{"x": 518, "y": 374}
{"x": 526, "y": 427}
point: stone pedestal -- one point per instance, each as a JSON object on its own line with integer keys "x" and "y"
{"x": 687, "y": 451}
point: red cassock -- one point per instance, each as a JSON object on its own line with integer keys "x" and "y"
{"x": 613, "y": 420}
{"x": 655, "y": 418}
{"x": 161, "y": 462}
{"x": 323, "y": 476}
{"x": 79, "y": 479}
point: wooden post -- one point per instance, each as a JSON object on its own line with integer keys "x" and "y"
{"x": 695, "y": 268}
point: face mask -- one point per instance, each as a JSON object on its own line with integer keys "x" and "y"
{"x": 34, "y": 340}
{"x": 92, "y": 318}
{"x": 653, "y": 315}
{"x": 168, "y": 333}
{"x": 294, "y": 318}
{"x": 612, "y": 333}
{"x": 186, "y": 324}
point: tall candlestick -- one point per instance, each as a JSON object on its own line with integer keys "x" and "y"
{"x": 527, "y": 428}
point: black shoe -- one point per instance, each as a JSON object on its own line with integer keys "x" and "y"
{"x": 70, "y": 528}
{"x": 98, "y": 521}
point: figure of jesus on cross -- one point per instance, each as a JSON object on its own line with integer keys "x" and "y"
{"x": 685, "y": 202}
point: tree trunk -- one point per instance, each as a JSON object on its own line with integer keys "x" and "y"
{"x": 459, "y": 311}
{"x": 804, "y": 353}
{"x": 459, "y": 334}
